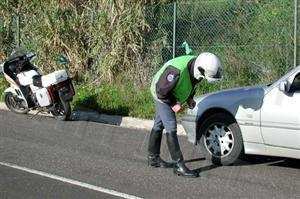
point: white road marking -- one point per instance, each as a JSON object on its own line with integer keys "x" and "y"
{"x": 70, "y": 181}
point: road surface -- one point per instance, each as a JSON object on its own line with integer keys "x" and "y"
{"x": 43, "y": 158}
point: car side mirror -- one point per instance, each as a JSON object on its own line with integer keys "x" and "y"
{"x": 283, "y": 86}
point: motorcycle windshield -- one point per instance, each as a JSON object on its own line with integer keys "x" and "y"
{"x": 15, "y": 55}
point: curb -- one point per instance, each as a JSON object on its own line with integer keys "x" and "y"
{"x": 3, "y": 107}
{"x": 93, "y": 116}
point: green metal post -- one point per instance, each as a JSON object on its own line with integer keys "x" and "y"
{"x": 295, "y": 32}
{"x": 18, "y": 31}
{"x": 174, "y": 28}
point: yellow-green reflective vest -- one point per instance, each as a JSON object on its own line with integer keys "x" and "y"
{"x": 184, "y": 85}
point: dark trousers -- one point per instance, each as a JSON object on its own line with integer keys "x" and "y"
{"x": 164, "y": 118}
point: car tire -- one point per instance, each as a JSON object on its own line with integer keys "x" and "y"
{"x": 221, "y": 139}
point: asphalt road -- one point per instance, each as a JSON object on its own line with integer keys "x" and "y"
{"x": 113, "y": 158}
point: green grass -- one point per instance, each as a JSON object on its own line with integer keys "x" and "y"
{"x": 3, "y": 86}
{"x": 116, "y": 100}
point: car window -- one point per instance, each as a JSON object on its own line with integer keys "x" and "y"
{"x": 295, "y": 87}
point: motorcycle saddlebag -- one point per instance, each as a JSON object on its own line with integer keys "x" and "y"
{"x": 26, "y": 78}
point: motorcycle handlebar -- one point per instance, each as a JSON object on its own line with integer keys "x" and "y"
{"x": 30, "y": 56}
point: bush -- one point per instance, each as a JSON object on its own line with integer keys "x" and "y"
{"x": 99, "y": 38}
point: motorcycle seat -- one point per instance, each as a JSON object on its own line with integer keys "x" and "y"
{"x": 26, "y": 78}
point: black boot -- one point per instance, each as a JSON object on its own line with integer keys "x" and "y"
{"x": 154, "y": 159}
{"x": 179, "y": 168}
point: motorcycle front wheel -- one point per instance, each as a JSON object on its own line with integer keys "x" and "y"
{"x": 15, "y": 104}
{"x": 62, "y": 111}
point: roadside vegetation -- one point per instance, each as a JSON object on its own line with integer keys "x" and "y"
{"x": 3, "y": 86}
{"x": 114, "y": 47}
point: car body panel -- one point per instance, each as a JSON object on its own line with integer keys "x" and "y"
{"x": 262, "y": 149}
{"x": 245, "y": 108}
{"x": 259, "y": 111}
{"x": 280, "y": 119}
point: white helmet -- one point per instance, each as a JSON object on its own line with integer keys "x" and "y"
{"x": 208, "y": 66}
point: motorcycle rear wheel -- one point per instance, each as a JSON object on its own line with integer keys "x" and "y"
{"x": 15, "y": 104}
{"x": 62, "y": 111}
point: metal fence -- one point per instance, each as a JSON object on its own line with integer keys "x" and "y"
{"x": 256, "y": 40}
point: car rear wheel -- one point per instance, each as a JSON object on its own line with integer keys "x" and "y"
{"x": 221, "y": 139}
{"x": 62, "y": 111}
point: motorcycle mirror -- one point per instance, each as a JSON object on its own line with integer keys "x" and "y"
{"x": 187, "y": 48}
{"x": 31, "y": 56}
{"x": 63, "y": 60}
{"x": 283, "y": 86}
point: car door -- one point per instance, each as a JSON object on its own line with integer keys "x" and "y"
{"x": 280, "y": 115}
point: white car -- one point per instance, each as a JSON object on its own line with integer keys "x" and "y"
{"x": 262, "y": 120}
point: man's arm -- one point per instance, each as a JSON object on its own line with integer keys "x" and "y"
{"x": 191, "y": 102}
{"x": 166, "y": 84}
{"x": 192, "y": 94}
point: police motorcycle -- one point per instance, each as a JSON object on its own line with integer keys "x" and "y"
{"x": 30, "y": 90}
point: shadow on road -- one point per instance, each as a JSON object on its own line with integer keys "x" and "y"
{"x": 194, "y": 160}
{"x": 202, "y": 168}
{"x": 94, "y": 116}
{"x": 257, "y": 159}
{"x": 290, "y": 163}
{"x": 206, "y": 168}
{"x": 269, "y": 160}
{"x": 249, "y": 160}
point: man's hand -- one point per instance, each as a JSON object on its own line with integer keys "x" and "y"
{"x": 176, "y": 108}
{"x": 191, "y": 103}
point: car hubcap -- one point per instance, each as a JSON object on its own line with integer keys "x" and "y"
{"x": 219, "y": 140}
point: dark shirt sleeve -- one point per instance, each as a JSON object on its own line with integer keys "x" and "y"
{"x": 192, "y": 93}
{"x": 166, "y": 84}
{"x": 194, "y": 84}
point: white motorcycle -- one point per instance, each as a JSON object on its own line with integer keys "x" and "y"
{"x": 30, "y": 90}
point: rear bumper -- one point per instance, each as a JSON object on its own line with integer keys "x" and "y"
{"x": 189, "y": 124}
